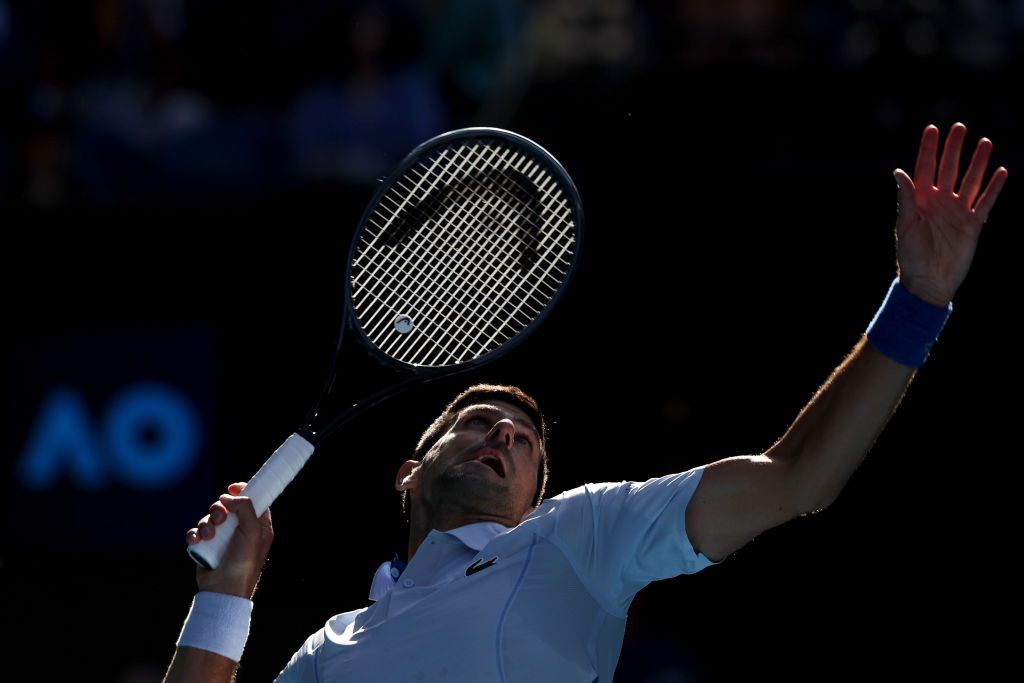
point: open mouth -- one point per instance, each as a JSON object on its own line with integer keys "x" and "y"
{"x": 494, "y": 462}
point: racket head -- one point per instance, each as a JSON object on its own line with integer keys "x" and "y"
{"x": 463, "y": 250}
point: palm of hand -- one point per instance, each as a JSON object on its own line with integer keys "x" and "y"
{"x": 937, "y": 229}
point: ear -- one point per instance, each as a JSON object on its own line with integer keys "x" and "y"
{"x": 408, "y": 476}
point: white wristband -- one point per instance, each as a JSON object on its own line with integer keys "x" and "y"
{"x": 217, "y": 623}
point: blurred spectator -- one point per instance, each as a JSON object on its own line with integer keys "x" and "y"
{"x": 7, "y": 97}
{"x": 145, "y": 133}
{"x": 984, "y": 40}
{"x": 5, "y": 25}
{"x": 371, "y": 108}
{"x": 47, "y": 114}
{"x": 576, "y": 34}
{"x": 752, "y": 32}
{"x": 472, "y": 47}
{"x": 853, "y": 34}
{"x": 157, "y": 101}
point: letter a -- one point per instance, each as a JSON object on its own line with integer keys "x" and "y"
{"x": 61, "y": 439}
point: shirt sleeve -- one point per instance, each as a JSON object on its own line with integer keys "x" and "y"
{"x": 622, "y": 536}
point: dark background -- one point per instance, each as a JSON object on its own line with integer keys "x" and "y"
{"x": 179, "y": 183}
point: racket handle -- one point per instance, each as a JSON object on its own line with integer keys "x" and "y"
{"x": 264, "y": 487}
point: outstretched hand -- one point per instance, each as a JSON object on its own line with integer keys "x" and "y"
{"x": 938, "y": 225}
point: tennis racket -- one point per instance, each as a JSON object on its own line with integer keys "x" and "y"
{"x": 460, "y": 254}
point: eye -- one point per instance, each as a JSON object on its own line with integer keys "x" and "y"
{"x": 525, "y": 440}
{"x": 476, "y": 421}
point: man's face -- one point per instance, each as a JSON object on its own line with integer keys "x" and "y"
{"x": 486, "y": 463}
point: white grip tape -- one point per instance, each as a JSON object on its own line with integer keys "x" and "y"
{"x": 263, "y": 488}
{"x": 277, "y": 472}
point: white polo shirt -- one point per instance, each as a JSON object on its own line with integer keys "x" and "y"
{"x": 543, "y": 601}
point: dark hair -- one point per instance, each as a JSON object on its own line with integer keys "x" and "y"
{"x": 475, "y": 394}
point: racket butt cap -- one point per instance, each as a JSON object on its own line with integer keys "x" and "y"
{"x": 199, "y": 559}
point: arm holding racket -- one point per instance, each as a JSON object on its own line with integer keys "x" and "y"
{"x": 237, "y": 575}
{"x": 936, "y": 234}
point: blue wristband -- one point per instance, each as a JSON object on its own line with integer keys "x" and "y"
{"x": 905, "y": 327}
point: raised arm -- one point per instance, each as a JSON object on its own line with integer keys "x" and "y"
{"x": 218, "y": 624}
{"x": 937, "y": 231}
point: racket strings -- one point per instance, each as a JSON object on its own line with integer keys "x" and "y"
{"x": 388, "y": 292}
{"x": 483, "y": 289}
{"x": 504, "y": 246}
{"x": 492, "y": 331}
{"x": 455, "y": 178}
{"x": 419, "y": 297}
{"x": 487, "y": 266}
{"x": 474, "y": 276}
{"x": 410, "y": 299}
{"x": 449, "y": 241}
{"x": 489, "y": 203}
{"x": 444, "y": 172}
{"x": 444, "y": 303}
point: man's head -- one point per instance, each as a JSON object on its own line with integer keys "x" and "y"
{"x": 485, "y": 453}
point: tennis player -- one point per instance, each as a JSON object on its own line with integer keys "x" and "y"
{"x": 501, "y": 585}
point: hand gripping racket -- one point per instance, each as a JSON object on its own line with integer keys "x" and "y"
{"x": 460, "y": 254}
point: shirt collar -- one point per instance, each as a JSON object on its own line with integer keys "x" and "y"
{"x": 474, "y": 536}
{"x": 478, "y": 534}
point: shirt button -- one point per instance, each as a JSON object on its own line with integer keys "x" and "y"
{"x": 408, "y": 583}
{"x": 395, "y": 572}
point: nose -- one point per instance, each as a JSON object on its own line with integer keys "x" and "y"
{"x": 504, "y": 432}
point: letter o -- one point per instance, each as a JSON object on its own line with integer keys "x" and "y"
{"x": 152, "y": 432}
